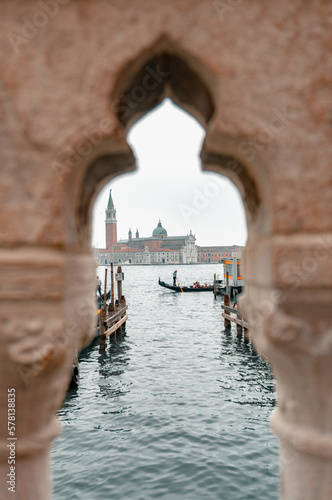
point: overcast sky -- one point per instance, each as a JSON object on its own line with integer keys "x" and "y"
{"x": 169, "y": 184}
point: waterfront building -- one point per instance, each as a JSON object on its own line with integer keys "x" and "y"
{"x": 158, "y": 248}
{"x": 216, "y": 254}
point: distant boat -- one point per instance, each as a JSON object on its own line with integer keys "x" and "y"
{"x": 186, "y": 288}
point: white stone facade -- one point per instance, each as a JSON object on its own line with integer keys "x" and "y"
{"x": 189, "y": 251}
{"x": 147, "y": 257}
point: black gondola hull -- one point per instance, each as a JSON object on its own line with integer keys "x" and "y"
{"x": 185, "y": 288}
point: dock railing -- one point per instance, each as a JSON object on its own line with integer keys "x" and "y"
{"x": 233, "y": 315}
{"x": 116, "y": 321}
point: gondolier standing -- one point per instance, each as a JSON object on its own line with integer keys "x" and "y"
{"x": 174, "y": 277}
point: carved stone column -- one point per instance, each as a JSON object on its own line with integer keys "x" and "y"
{"x": 289, "y": 309}
{"x": 46, "y": 314}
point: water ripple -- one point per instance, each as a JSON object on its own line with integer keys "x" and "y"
{"x": 176, "y": 409}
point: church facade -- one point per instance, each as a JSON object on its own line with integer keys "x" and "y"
{"x": 156, "y": 249}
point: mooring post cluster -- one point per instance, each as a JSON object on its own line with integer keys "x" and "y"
{"x": 112, "y": 319}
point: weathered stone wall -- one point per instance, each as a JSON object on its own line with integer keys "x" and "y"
{"x": 74, "y": 76}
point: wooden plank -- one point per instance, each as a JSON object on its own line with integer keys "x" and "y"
{"x": 116, "y": 326}
{"x": 102, "y": 337}
{"x": 235, "y": 320}
{"x": 231, "y": 309}
{"x": 116, "y": 315}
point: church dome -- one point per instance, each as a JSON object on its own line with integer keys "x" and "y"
{"x": 160, "y": 231}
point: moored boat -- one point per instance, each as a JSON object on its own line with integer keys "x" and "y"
{"x": 186, "y": 288}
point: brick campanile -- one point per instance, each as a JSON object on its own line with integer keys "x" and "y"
{"x": 110, "y": 224}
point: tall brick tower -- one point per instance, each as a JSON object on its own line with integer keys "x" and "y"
{"x": 110, "y": 224}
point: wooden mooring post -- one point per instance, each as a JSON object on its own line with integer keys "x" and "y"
{"x": 119, "y": 278}
{"x": 246, "y": 336}
{"x": 227, "y": 303}
{"x": 105, "y": 290}
{"x": 112, "y": 284}
{"x": 215, "y": 285}
{"x": 228, "y": 288}
{"x": 123, "y": 305}
{"x": 102, "y": 319}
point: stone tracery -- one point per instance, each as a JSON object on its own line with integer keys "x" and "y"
{"x": 63, "y": 135}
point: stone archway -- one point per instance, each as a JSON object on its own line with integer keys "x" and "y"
{"x": 167, "y": 71}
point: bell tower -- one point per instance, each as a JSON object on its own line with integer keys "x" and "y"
{"x": 110, "y": 224}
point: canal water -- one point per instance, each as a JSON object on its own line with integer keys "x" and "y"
{"x": 176, "y": 409}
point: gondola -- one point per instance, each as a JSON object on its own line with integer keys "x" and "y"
{"x": 186, "y": 288}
